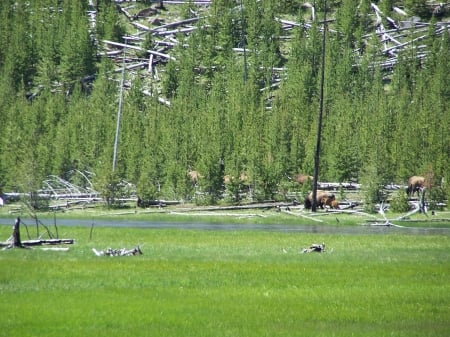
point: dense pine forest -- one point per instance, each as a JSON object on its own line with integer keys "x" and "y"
{"x": 106, "y": 88}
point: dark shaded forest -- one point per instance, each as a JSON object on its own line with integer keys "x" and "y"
{"x": 232, "y": 97}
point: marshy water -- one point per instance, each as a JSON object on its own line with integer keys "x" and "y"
{"x": 313, "y": 228}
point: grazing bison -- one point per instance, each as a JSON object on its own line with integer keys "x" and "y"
{"x": 228, "y": 179}
{"x": 335, "y": 204}
{"x": 323, "y": 198}
{"x": 415, "y": 184}
{"x": 241, "y": 185}
{"x": 303, "y": 178}
{"x": 194, "y": 176}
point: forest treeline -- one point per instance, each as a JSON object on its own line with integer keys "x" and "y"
{"x": 59, "y": 99}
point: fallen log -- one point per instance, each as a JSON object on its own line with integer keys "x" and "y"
{"x": 40, "y": 242}
{"x": 176, "y": 31}
{"x": 15, "y": 241}
{"x": 37, "y": 242}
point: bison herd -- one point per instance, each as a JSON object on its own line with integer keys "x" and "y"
{"x": 324, "y": 199}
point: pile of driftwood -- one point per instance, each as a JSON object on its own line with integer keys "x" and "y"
{"x": 118, "y": 252}
{"x": 315, "y": 248}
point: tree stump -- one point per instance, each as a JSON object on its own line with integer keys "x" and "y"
{"x": 16, "y": 242}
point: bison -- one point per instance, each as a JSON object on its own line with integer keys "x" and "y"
{"x": 194, "y": 176}
{"x": 323, "y": 198}
{"x": 303, "y": 178}
{"x": 228, "y": 179}
{"x": 415, "y": 184}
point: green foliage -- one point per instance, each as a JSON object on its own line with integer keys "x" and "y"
{"x": 112, "y": 189}
{"x": 436, "y": 198}
{"x": 419, "y": 8}
{"x": 35, "y": 202}
{"x": 108, "y": 23}
{"x": 372, "y": 189}
{"x": 399, "y": 202}
{"x": 257, "y": 114}
{"x": 171, "y": 81}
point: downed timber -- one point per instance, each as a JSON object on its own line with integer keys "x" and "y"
{"x": 336, "y": 186}
{"x": 41, "y": 242}
{"x": 150, "y": 63}
{"x": 124, "y": 11}
{"x": 241, "y": 50}
{"x": 123, "y": 45}
{"x": 157, "y": 53}
{"x": 266, "y": 205}
{"x": 274, "y": 85}
{"x": 32, "y": 243}
{"x": 195, "y": 2}
{"x": 399, "y": 11}
{"x": 132, "y": 66}
{"x": 160, "y": 99}
{"x": 141, "y": 26}
{"x": 176, "y": 31}
{"x": 399, "y": 46}
{"x": 403, "y": 220}
{"x": 110, "y": 53}
{"x": 163, "y": 27}
{"x": 166, "y": 43}
{"x": 175, "y": 24}
{"x": 290, "y": 24}
{"x": 416, "y": 29}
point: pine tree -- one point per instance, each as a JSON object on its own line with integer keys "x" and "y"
{"x": 77, "y": 52}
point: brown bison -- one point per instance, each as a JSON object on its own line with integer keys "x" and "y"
{"x": 415, "y": 184}
{"x": 228, "y": 179}
{"x": 194, "y": 177}
{"x": 335, "y": 204}
{"x": 239, "y": 185}
{"x": 323, "y": 198}
{"x": 303, "y": 178}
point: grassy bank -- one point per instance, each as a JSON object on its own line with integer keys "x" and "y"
{"x": 228, "y": 283}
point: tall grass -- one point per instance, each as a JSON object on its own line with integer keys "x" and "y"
{"x": 228, "y": 283}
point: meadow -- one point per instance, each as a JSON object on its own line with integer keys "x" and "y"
{"x": 228, "y": 283}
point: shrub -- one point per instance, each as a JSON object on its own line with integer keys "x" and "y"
{"x": 399, "y": 202}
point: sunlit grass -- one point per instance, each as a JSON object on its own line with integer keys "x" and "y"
{"x": 228, "y": 283}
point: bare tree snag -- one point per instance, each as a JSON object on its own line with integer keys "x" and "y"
{"x": 16, "y": 234}
{"x": 15, "y": 237}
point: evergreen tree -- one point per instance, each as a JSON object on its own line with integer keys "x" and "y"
{"x": 77, "y": 51}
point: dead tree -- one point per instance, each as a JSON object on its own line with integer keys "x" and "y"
{"x": 16, "y": 234}
{"x": 16, "y": 242}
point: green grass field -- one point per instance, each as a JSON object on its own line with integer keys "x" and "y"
{"x": 228, "y": 283}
